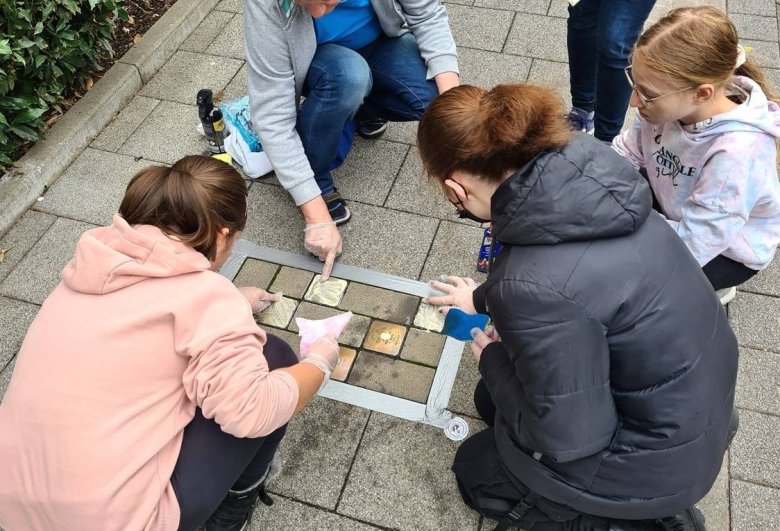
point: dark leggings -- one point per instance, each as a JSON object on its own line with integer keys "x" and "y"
{"x": 212, "y": 462}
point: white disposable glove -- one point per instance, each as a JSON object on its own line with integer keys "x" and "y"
{"x": 323, "y": 354}
{"x": 459, "y": 292}
{"x": 259, "y": 299}
{"x": 323, "y": 241}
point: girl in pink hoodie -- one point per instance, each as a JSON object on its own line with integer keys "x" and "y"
{"x": 144, "y": 395}
{"x": 706, "y": 135}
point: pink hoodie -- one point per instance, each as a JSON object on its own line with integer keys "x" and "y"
{"x": 137, "y": 334}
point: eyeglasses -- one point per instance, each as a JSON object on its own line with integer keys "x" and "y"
{"x": 645, "y": 100}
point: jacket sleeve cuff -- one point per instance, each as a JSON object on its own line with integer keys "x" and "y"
{"x": 442, "y": 63}
{"x": 305, "y": 191}
{"x": 478, "y": 298}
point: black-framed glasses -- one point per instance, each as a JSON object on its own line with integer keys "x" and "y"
{"x": 645, "y": 100}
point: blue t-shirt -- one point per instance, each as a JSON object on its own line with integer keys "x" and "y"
{"x": 352, "y": 24}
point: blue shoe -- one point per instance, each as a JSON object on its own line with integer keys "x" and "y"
{"x": 581, "y": 120}
{"x": 337, "y": 208}
{"x": 371, "y": 127}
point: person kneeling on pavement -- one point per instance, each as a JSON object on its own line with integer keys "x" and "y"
{"x": 608, "y": 382}
{"x": 145, "y": 396}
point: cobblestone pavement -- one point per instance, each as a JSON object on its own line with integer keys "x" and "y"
{"x": 348, "y": 468}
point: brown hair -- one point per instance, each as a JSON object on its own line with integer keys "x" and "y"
{"x": 487, "y": 133}
{"x": 691, "y": 46}
{"x": 192, "y": 200}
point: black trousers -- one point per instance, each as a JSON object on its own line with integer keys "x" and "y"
{"x": 212, "y": 462}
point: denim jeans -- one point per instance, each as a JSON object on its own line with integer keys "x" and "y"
{"x": 385, "y": 79}
{"x": 601, "y": 35}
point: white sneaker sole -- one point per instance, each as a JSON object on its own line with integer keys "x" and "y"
{"x": 726, "y": 295}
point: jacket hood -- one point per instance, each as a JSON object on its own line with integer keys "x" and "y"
{"x": 756, "y": 114}
{"x": 110, "y": 258}
{"x": 584, "y": 191}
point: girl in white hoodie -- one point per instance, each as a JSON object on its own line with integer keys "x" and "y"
{"x": 706, "y": 134}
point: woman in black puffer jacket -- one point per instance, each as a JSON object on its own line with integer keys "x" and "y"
{"x": 608, "y": 383}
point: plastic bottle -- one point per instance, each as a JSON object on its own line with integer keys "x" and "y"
{"x": 212, "y": 120}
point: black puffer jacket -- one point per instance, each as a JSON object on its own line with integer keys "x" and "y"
{"x": 614, "y": 380}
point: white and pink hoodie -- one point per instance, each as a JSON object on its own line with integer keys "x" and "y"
{"x": 716, "y": 180}
{"x": 137, "y": 334}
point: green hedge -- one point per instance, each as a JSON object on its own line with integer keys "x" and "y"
{"x": 46, "y": 49}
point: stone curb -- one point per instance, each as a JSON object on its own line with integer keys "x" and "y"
{"x": 21, "y": 186}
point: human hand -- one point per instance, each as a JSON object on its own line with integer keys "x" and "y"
{"x": 482, "y": 339}
{"x": 459, "y": 292}
{"x": 323, "y": 241}
{"x": 323, "y": 354}
{"x": 259, "y": 299}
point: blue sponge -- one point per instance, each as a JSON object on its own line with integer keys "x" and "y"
{"x": 458, "y": 324}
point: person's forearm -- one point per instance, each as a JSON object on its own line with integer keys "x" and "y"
{"x": 309, "y": 379}
{"x": 315, "y": 211}
{"x": 446, "y": 80}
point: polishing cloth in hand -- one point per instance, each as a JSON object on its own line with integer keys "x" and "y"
{"x": 458, "y": 324}
{"x": 311, "y": 330}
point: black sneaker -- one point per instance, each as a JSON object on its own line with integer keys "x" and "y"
{"x": 689, "y": 520}
{"x": 337, "y": 208}
{"x": 235, "y": 511}
{"x": 371, "y": 127}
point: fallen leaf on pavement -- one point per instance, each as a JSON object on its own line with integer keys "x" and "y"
{"x": 2, "y": 253}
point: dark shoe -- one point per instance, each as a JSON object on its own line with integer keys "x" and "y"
{"x": 371, "y": 127}
{"x": 581, "y": 120}
{"x": 235, "y": 511}
{"x": 337, "y": 208}
{"x": 690, "y": 520}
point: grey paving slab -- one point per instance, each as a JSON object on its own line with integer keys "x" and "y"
{"x": 765, "y": 53}
{"x": 233, "y": 6}
{"x": 39, "y": 271}
{"x": 462, "y": 397}
{"x": 5, "y": 378}
{"x": 423, "y": 346}
{"x": 15, "y": 318}
{"x": 287, "y": 513}
{"x": 755, "y": 450}
{"x": 257, "y": 273}
{"x": 292, "y": 282}
{"x": 414, "y": 192}
{"x": 538, "y": 7}
{"x": 386, "y": 240}
{"x": 481, "y": 28}
{"x": 758, "y": 381}
{"x": 755, "y": 27}
{"x": 238, "y": 86}
{"x": 391, "y": 376}
{"x": 187, "y": 72}
{"x": 352, "y": 335}
{"x": 268, "y": 206}
{"x": 715, "y": 505}
{"x": 454, "y": 252}
{"x": 318, "y": 450}
{"x": 380, "y": 303}
{"x": 756, "y": 320}
{"x": 752, "y": 7}
{"x": 167, "y": 135}
{"x": 766, "y": 282}
{"x": 370, "y": 170}
{"x": 211, "y": 27}
{"x": 487, "y": 69}
{"x": 538, "y": 36}
{"x": 461, "y": 2}
{"x": 404, "y": 132}
{"x": 558, "y": 8}
{"x": 552, "y": 74}
{"x": 124, "y": 123}
{"x": 230, "y": 42}
{"x": 754, "y": 507}
{"x": 21, "y": 238}
{"x": 93, "y": 186}
{"x": 379, "y": 486}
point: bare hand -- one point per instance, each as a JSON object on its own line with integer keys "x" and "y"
{"x": 259, "y": 299}
{"x": 459, "y": 292}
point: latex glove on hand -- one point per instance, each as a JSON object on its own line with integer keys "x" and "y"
{"x": 323, "y": 354}
{"x": 458, "y": 292}
{"x": 259, "y": 299}
{"x": 482, "y": 339}
{"x": 323, "y": 241}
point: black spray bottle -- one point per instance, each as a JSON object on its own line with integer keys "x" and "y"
{"x": 212, "y": 120}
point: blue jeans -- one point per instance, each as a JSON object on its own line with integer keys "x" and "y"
{"x": 601, "y": 35}
{"x": 385, "y": 79}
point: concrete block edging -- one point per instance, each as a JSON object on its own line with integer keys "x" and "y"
{"x": 21, "y": 186}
